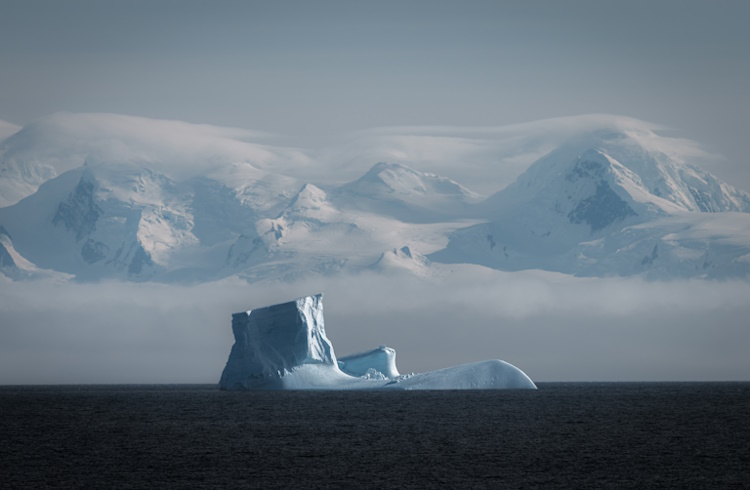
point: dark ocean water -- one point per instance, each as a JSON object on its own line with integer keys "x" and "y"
{"x": 579, "y": 435}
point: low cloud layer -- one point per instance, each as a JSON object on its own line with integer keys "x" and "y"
{"x": 554, "y": 327}
{"x": 483, "y": 158}
{"x": 488, "y": 158}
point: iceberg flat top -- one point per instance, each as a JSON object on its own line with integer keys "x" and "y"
{"x": 381, "y": 360}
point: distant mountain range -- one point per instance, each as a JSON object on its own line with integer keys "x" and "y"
{"x": 97, "y": 196}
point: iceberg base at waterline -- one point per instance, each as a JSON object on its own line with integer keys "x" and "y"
{"x": 285, "y": 347}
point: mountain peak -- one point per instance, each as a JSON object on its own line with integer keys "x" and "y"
{"x": 617, "y": 202}
{"x": 641, "y": 164}
{"x": 308, "y": 197}
{"x": 405, "y": 193}
{"x": 310, "y": 202}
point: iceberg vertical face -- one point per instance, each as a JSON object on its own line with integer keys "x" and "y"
{"x": 272, "y": 342}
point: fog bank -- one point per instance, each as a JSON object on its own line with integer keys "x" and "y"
{"x": 552, "y": 326}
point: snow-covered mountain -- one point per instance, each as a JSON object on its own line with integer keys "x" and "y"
{"x": 107, "y": 196}
{"x": 309, "y": 231}
{"x": 324, "y": 235}
{"x": 407, "y": 194}
{"x": 125, "y": 220}
{"x": 606, "y": 204}
{"x": 641, "y": 164}
{"x": 130, "y": 221}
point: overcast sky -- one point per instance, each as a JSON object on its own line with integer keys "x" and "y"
{"x": 311, "y": 70}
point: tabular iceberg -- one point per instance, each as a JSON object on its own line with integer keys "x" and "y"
{"x": 285, "y": 346}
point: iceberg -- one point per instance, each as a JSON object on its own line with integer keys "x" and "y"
{"x": 381, "y": 360}
{"x": 285, "y": 347}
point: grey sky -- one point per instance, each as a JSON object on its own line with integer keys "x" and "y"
{"x": 311, "y": 70}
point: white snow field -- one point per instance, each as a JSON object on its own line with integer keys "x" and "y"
{"x": 284, "y": 347}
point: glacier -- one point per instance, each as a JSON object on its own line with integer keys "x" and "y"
{"x": 285, "y": 347}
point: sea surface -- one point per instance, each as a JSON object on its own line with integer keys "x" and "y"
{"x": 564, "y": 435}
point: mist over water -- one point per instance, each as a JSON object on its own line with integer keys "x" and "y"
{"x": 554, "y": 327}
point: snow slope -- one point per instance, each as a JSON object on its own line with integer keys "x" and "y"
{"x": 15, "y": 266}
{"x": 648, "y": 167}
{"x": 285, "y": 347}
{"x": 96, "y": 223}
{"x": 318, "y": 234}
{"x": 129, "y": 221}
{"x": 406, "y": 194}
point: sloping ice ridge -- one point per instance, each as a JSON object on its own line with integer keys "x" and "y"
{"x": 285, "y": 347}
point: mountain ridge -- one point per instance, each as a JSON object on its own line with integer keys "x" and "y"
{"x": 602, "y": 203}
